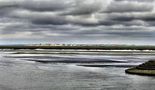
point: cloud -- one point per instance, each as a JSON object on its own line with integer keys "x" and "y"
{"x": 36, "y": 5}
{"x": 79, "y": 12}
{"x": 137, "y": 0}
{"x": 87, "y": 7}
{"x": 59, "y": 19}
{"x": 129, "y": 6}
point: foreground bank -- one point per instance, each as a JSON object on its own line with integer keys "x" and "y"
{"x": 147, "y": 68}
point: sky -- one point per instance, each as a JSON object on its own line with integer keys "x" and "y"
{"x": 77, "y": 22}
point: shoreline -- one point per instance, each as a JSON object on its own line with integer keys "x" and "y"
{"x": 84, "y": 47}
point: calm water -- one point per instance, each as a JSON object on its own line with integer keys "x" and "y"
{"x": 63, "y": 70}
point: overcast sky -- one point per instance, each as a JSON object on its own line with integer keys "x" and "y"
{"x": 77, "y": 21}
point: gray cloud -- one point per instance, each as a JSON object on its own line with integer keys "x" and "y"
{"x": 79, "y": 12}
{"x": 59, "y": 19}
{"x": 85, "y": 7}
{"x": 137, "y": 0}
{"x": 129, "y": 6}
{"x": 36, "y": 5}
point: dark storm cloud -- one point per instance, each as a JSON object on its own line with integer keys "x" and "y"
{"x": 143, "y": 19}
{"x": 50, "y": 20}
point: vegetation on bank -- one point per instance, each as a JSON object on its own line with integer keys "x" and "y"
{"x": 103, "y": 47}
{"x": 147, "y": 68}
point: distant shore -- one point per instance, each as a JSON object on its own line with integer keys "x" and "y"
{"x": 87, "y": 47}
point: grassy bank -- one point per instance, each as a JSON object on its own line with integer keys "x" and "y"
{"x": 147, "y": 68}
{"x": 88, "y": 47}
